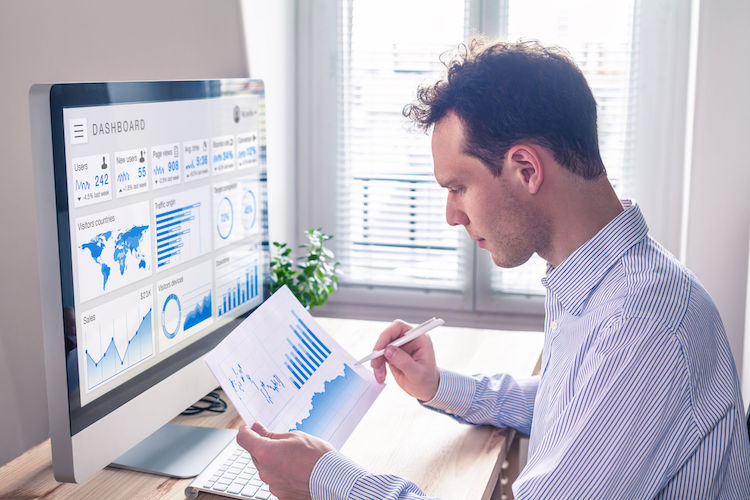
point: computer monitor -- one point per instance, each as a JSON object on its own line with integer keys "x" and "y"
{"x": 151, "y": 209}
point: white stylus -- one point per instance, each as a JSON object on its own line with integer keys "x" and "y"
{"x": 410, "y": 335}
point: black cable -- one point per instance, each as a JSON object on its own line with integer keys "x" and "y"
{"x": 213, "y": 403}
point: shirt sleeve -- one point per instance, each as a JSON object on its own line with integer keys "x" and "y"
{"x": 336, "y": 477}
{"x": 498, "y": 400}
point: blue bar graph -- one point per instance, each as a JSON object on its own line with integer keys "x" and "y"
{"x": 306, "y": 353}
{"x": 238, "y": 281}
{"x": 172, "y": 229}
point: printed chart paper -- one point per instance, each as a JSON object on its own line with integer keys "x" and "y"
{"x": 280, "y": 368}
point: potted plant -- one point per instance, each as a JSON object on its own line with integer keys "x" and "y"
{"x": 312, "y": 278}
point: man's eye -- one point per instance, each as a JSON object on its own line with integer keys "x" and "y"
{"x": 456, "y": 190}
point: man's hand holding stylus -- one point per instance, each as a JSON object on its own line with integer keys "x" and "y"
{"x": 412, "y": 365}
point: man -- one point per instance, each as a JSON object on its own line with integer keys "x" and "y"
{"x": 638, "y": 395}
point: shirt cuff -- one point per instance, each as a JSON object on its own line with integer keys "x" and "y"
{"x": 455, "y": 393}
{"x": 334, "y": 476}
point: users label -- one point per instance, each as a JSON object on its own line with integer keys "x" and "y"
{"x": 92, "y": 179}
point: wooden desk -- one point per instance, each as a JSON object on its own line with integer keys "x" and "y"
{"x": 396, "y": 436}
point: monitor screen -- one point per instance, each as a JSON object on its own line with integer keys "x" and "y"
{"x": 161, "y": 222}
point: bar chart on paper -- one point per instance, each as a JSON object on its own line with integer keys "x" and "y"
{"x": 307, "y": 353}
{"x": 279, "y": 367}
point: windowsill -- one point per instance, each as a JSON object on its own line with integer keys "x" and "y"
{"x": 468, "y": 319}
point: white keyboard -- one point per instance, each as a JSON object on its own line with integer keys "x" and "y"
{"x": 231, "y": 474}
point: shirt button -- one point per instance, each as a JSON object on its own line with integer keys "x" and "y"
{"x": 554, "y": 326}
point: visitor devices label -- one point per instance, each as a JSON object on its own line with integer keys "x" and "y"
{"x": 183, "y": 304}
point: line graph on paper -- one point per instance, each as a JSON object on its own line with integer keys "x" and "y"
{"x": 241, "y": 382}
{"x": 279, "y": 367}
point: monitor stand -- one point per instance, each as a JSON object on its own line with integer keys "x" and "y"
{"x": 181, "y": 451}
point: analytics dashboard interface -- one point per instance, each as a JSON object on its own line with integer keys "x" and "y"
{"x": 166, "y": 212}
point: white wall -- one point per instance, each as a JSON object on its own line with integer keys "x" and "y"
{"x": 78, "y": 40}
{"x": 715, "y": 243}
{"x": 270, "y": 29}
{"x": 660, "y": 105}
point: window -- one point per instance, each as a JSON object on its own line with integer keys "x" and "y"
{"x": 368, "y": 176}
{"x": 391, "y": 229}
{"x": 603, "y": 51}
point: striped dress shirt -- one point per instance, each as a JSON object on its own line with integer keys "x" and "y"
{"x": 638, "y": 395}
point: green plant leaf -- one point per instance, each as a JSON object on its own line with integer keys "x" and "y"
{"x": 312, "y": 276}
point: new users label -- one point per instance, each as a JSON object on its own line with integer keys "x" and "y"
{"x": 131, "y": 170}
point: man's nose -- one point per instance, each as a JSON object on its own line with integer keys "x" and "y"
{"x": 454, "y": 215}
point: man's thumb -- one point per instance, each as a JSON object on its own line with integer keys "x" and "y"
{"x": 258, "y": 428}
{"x": 263, "y": 432}
{"x": 248, "y": 437}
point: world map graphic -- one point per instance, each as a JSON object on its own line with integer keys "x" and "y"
{"x": 125, "y": 244}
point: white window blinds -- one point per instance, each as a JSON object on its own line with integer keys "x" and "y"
{"x": 391, "y": 227}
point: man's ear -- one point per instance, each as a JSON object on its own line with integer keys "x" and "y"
{"x": 527, "y": 166}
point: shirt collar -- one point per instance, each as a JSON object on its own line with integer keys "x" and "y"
{"x": 573, "y": 281}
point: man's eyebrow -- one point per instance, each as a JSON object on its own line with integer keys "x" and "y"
{"x": 451, "y": 181}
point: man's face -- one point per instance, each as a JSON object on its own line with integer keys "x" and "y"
{"x": 495, "y": 211}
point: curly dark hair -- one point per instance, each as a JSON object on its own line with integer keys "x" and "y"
{"x": 505, "y": 93}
